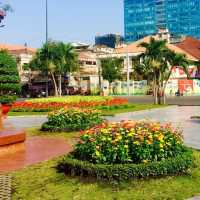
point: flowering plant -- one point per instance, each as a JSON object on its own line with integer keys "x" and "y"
{"x": 50, "y": 106}
{"x": 72, "y": 119}
{"x": 129, "y": 142}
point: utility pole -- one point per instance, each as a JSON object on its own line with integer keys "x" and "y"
{"x": 99, "y": 74}
{"x": 128, "y": 74}
{"x": 47, "y": 77}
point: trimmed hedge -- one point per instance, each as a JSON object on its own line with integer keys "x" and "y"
{"x": 122, "y": 172}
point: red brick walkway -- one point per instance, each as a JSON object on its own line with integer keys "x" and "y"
{"x": 37, "y": 149}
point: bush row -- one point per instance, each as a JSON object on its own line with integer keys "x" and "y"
{"x": 122, "y": 172}
{"x": 73, "y": 119}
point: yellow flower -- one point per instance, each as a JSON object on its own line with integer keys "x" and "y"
{"x": 150, "y": 137}
{"x": 130, "y": 134}
{"x": 149, "y": 142}
{"x": 97, "y": 153}
{"x": 126, "y": 146}
{"x": 119, "y": 137}
{"x": 160, "y": 137}
{"x": 136, "y": 143}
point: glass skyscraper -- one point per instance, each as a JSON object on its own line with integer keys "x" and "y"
{"x": 145, "y": 17}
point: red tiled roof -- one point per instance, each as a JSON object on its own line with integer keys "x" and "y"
{"x": 135, "y": 48}
{"x": 17, "y": 48}
{"x": 191, "y": 46}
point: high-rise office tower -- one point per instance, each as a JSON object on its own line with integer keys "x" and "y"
{"x": 146, "y": 17}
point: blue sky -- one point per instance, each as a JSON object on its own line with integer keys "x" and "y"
{"x": 69, "y": 20}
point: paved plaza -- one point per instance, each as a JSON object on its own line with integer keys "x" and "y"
{"x": 178, "y": 115}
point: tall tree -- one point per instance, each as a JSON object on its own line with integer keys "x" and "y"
{"x": 158, "y": 61}
{"x": 66, "y": 61}
{"x": 152, "y": 59}
{"x": 57, "y": 59}
{"x": 9, "y": 78}
{"x": 172, "y": 60}
{"x": 112, "y": 69}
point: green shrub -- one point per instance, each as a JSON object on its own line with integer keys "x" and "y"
{"x": 72, "y": 120}
{"x": 9, "y": 78}
{"x": 129, "y": 142}
{"x": 6, "y": 99}
{"x": 121, "y": 172}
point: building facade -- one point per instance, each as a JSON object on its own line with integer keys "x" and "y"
{"x": 146, "y": 17}
{"x": 23, "y": 56}
{"x": 109, "y": 40}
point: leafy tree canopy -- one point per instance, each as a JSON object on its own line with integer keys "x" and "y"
{"x": 112, "y": 69}
{"x": 9, "y": 78}
{"x": 57, "y": 59}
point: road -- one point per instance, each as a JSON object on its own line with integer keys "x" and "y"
{"x": 183, "y": 101}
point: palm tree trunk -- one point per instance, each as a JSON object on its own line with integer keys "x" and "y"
{"x": 60, "y": 85}
{"x": 155, "y": 90}
{"x": 54, "y": 83}
{"x": 164, "y": 89}
{"x": 160, "y": 88}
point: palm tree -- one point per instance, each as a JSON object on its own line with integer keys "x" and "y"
{"x": 55, "y": 58}
{"x": 66, "y": 61}
{"x": 172, "y": 59}
{"x": 159, "y": 61}
{"x": 152, "y": 59}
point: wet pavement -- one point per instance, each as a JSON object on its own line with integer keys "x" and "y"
{"x": 178, "y": 115}
{"x": 36, "y": 149}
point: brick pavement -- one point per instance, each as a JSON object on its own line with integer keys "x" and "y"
{"x": 37, "y": 149}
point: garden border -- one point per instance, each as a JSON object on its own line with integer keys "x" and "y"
{"x": 122, "y": 172}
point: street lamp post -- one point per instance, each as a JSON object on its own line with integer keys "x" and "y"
{"x": 99, "y": 74}
{"x": 128, "y": 74}
{"x": 47, "y": 77}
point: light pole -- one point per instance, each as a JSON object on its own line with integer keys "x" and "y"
{"x": 128, "y": 74}
{"x": 47, "y": 77}
{"x": 99, "y": 74}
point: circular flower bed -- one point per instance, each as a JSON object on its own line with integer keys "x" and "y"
{"x": 72, "y": 119}
{"x": 128, "y": 149}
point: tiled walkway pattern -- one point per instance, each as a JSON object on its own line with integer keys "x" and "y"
{"x": 5, "y": 187}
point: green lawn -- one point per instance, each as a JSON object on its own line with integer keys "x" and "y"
{"x": 130, "y": 108}
{"x": 26, "y": 113}
{"x": 105, "y": 109}
{"x": 42, "y": 182}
